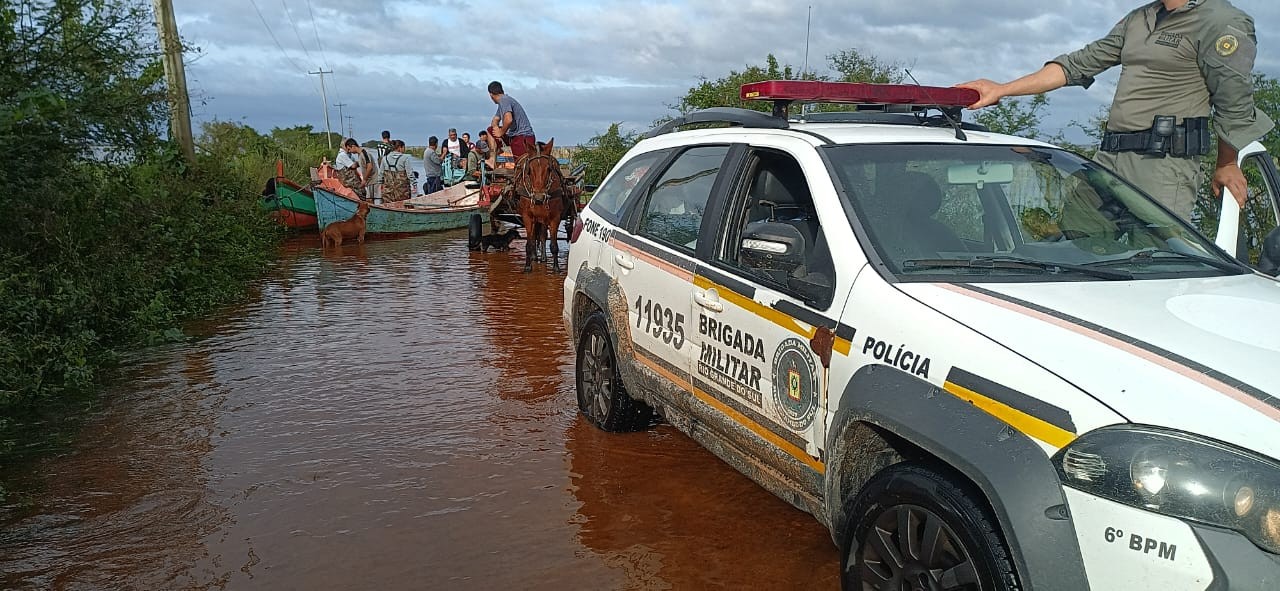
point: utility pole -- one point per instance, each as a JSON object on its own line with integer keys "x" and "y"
{"x": 341, "y": 117}
{"x": 351, "y": 133}
{"x": 175, "y": 78}
{"x": 324, "y": 99}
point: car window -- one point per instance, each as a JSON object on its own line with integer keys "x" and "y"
{"x": 946, "y": 211}
{"x": 775, "y": 193}
{"x": 677, "y": 201}
{"x": 611, "y": 198}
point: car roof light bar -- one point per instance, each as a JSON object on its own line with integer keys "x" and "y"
{"x": 785, "y": 92}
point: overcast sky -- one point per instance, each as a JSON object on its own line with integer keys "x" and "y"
{"x": 418, "y": 67}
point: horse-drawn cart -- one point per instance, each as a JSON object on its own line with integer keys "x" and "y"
{"x": 536, "y": 193}
{"x": 497, "y": 185}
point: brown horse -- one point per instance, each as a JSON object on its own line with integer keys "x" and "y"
{"x": 539, "y": 190}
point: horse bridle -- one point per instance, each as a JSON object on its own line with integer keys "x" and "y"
{"x": 527, "y": 192}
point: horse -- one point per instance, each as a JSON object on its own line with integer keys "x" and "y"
{"x": 539, "y": 187}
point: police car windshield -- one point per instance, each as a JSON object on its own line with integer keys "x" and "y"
{"x": 924, "y": 202}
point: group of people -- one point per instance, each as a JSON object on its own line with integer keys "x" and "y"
{"x": 384, "y": 175}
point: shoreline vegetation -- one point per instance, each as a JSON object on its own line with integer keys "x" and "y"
{"x": 112, "y": 239}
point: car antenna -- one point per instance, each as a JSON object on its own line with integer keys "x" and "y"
{"x": 954, "y": 121}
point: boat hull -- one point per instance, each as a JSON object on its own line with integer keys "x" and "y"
{"x": 294, "y": 220}
{"x": 331, "y": 207}
{"x": 291, "y": 205}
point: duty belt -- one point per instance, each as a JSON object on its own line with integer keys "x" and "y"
{"x": 1191, "y": 138}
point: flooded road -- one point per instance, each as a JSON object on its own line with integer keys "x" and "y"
{"x": 394, "y": 416}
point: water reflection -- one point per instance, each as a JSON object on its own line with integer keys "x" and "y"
{"x": 399, "y": 415}
{"x": 661, "y": 509}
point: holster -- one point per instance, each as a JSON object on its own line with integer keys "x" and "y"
{"x": 1188, "y": 139}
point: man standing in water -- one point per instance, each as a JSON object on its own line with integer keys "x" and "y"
{"x": 1180, "y": 59}
{"x": 510, "y": 124}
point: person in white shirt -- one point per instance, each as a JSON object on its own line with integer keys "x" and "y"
{"x": 455, "y": 145}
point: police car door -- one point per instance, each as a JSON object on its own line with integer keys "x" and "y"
{"x": 654, "y": 261}
{"x": 1244, "y": 232}
{"x": 756, "y": 311}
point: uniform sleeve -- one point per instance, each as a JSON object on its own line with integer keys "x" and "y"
{"x": 1095, "y": 58}
{"x": 1227, "y": 53}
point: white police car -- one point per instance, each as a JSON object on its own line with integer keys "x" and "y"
{"x": 982, "y": 361}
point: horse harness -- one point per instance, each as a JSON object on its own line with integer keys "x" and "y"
{"x": 521, "y": 183}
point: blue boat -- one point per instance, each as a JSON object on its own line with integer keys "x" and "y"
{"x": 443, "y": 210}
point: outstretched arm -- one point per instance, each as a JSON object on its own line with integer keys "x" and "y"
{"x": 1050, "y": 77}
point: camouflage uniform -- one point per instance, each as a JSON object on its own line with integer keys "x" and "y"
{"x": 1196, "y": 58}
{"x": 395, "y": 177}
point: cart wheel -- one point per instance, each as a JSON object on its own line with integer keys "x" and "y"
{"x": 475, "y": 230}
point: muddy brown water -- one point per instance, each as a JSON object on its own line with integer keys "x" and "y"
{"x": 394, "y": 416}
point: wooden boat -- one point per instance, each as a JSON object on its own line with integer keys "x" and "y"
{"x": 290, "y": 203}
{"x": 443, "y": 210}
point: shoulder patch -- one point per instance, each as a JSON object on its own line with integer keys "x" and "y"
{"x": 1226, "y": 45}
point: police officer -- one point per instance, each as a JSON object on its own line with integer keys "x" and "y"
{"x": 1180, "y": 58}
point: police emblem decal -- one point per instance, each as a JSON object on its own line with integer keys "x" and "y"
{"x": 1227, "y": 45}
{"x": 795, "y": 384}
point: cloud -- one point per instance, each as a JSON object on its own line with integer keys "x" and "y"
{"x": 418, "y": 67}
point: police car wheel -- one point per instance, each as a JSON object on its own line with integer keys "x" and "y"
{"x": 601, "y": 396}
{"x": 916, "y": 528}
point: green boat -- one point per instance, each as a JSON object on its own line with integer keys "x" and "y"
{"x": 290, "y": 203}
{"x": 443, "y": 210}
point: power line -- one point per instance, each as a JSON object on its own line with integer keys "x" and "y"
{"x": 294, "y": 26}
{"x": 311, "y": 11}
{"x": 316, "y": 30}
{"x": 273, "y": 38}
{"x": 336, "y": 89}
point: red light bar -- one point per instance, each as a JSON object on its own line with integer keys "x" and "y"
{"x": 815, "y": 91}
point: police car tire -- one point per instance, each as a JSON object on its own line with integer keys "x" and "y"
{"x": 954, "y": 501}
{"x": 618, "y": 412}
{"x": 475, "y": 230}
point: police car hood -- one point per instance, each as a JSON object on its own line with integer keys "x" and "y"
{"x": 1199, "y": 355}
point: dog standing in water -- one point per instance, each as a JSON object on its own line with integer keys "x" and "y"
{"x": 352, "y": 228}
{"x": 496, "y": 241}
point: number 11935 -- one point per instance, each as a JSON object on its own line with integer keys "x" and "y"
{"x": 662, "y": 323}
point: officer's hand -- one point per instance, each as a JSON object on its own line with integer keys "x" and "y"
{"x": 1231, "y": 177}
{"x": 989, "y": 92}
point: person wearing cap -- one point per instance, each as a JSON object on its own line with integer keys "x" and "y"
{"x": 1181, "y": 59}
{"x": 486, "y": 149}
{"x": 510, "y": 124}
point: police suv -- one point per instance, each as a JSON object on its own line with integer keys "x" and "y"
{"x": 983, "y": 362}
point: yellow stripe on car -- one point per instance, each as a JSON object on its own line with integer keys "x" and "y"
{"x": 1023, "y": 422}
{"x": 786, "y": 446}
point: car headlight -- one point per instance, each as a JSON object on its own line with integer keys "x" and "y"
{"x": 1178, "y": 475}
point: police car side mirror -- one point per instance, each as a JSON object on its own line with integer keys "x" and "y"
{"x": 1269, "y": 262}
{"x": 773, "y": 246}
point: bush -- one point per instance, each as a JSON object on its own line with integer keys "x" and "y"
{"x": 111, "y": 240}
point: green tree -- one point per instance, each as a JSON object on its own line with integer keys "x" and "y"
{"x": 112, "y": 238}
{"x": 1020, "y": 117}
{"x": 602, "y": 152}
{"x": 855, "y": 66}
{"x": 725, "y": 91}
